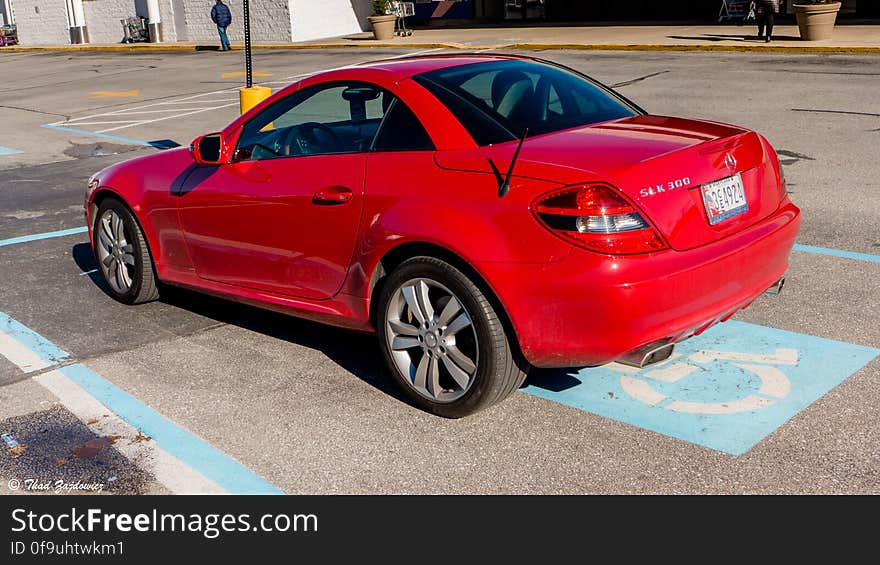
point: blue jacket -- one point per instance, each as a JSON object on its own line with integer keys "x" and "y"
{"x": 220, "y": 14}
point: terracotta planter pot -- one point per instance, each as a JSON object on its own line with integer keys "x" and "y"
{"x": 383, "y": 27}
{"x": 816, "y": 21}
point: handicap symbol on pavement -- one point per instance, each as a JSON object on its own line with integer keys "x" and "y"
{"x": 726, "y": 389}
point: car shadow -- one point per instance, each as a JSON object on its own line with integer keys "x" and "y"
{"x": 355, "y": 352}
{"x": 84, "y": 258}
{"x": 554, "y": 380}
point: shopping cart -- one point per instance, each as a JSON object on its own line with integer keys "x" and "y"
{"x": 733, "y": 10}
{"x": 8, "y": 35}
{"x": 134, "y": 29}
{"x": 402, "y": 10}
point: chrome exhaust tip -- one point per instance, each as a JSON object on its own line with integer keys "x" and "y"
{"x": 776, "y": 288}
{"x": 648, "y": 355}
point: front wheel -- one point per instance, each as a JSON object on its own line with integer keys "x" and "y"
{"x": 122, "y": 254}
{"x": 443, "y": 341}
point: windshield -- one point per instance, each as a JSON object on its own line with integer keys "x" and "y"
{"x": 498, "y": 100}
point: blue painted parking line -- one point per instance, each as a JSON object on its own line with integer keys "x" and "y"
{"x": 45, "y": 349}
{"x": 157, "y": 144}
{"x": 224, "y": 471}
{"x": 101, "y": 135}
{"x": 838, "y": 253}
{"x": 726, "y": 389}
{"x": 9, "y": 151}
{"x": 45, "y": 235}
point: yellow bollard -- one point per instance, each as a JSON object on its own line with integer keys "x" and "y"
{"x": 250, "y": 97}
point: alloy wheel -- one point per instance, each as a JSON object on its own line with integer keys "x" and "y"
{"x": 115, "y": 253}
{"x": 432, "y": 340}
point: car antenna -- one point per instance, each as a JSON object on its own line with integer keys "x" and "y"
{"x": 504, "y": 187}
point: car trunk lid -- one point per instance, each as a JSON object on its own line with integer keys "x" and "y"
{"x": 661, "y": 163}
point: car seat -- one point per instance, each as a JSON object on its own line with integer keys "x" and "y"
{"x": 513, "y": 96}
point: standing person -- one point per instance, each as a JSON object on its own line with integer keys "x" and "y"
{"x": 221, "y": 16}
{"x": 765, "y": 12}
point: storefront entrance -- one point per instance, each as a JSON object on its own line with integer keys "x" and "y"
{"x": 525, "y": 9}
{"x": 627, "y": 10}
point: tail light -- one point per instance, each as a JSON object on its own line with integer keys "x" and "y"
{"x": 599, "y": 218}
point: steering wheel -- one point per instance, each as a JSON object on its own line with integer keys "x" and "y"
{"x": 307, "y": 137}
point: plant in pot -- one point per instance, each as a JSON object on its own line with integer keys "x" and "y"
{"x": 382, "y": 21}
{"x": 816, "y": 18}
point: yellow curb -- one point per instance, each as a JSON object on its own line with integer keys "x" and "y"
{"x": 146, "y": 47}
{"x": 869, "y": 50}
{"x": 370, "y": 46}
{"x": 700, "y": 47}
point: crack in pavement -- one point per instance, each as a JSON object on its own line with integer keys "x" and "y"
{"x": 828, "y": 73}
{"x": 794, "y": 155}
{"x": 83, "y": 360}
{"x": 72, "y": 81}
{"x": 65, "y": 116}
{"x": 846, "y": 112}
{"x": 639, "y": 79}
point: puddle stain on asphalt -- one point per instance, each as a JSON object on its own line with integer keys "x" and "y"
{"x": 99, "y": 149}
{"x": 63, "y": 450}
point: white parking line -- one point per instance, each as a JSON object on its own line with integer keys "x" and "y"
{"x": 177, "y": 459}
{"x": 107, "y": 122}
{"x": 182, "y": 107}
{"x": 177, "y": 108}
{"x": 173, "y": 474}
{"x": 156, "y": 111}
{"x": 20, "y": 355}
{"x": 197, "y": 102}
{"x": 178, "y": 115}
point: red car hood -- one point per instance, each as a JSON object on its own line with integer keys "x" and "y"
{"x": 641, "y": 156}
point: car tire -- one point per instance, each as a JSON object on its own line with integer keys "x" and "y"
{"x": 449, "y": 358}
{"x": 119, "y": 243}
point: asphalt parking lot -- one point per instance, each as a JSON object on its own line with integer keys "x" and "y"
{"x": 196, "y": 394}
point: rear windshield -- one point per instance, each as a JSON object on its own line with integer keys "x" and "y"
{"x": 498, "y": 100}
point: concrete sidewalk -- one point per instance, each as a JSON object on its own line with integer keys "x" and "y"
{"x": 721, "y": 37}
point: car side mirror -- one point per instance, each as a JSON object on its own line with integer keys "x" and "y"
{"x": 207, "y": 149}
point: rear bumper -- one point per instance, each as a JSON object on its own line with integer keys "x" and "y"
{"x": 590, "y": 309}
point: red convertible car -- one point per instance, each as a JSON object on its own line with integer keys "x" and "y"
{"x": 482, "y": 213}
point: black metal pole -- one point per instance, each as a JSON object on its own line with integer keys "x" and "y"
{"x": 247, "y": 45}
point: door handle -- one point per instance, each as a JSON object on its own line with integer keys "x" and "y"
{"x": 332, "y": 196}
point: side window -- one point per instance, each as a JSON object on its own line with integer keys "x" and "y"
{"x": 323, "y": 120}
{"x": 402, "y": 131}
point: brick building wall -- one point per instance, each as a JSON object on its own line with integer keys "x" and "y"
{"x": 44, "y": 22}
{"x": 102, "y": 18}
{"x": 41, "y": 22}
{"x": 270, "y": 21}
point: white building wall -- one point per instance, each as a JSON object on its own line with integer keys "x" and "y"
{"x": 102, "y": 19}
{"x": 44, "y": 22}
{"x": 41, "y": 22}
{"x": 270, "y": 21}
{"x": 328, "y": 18}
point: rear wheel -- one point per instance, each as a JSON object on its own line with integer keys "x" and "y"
{"x": 443, "y": 341}
{"x": 122, "y": 254}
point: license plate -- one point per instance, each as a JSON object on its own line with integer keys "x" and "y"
{"x": 724, "y": 198}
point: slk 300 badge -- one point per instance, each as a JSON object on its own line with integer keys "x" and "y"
{"x": 667, "y": 187}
